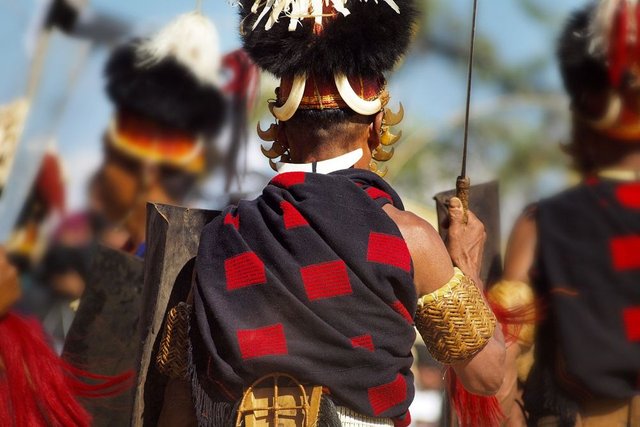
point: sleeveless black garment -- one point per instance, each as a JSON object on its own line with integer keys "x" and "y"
{"x": 588, "y": 272}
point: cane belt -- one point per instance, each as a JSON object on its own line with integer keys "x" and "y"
{"x": 279, "y": 400}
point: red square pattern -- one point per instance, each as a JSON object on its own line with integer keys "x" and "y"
{"x": 291, "y": 216}
{"x": 288, "y": 179}
{"x": 388, "y": 249}
{"x": 326, "y": 280}
{"x": 402, "y": 310}
{"x": 631, "y": 318}
{"x": 230, "y": 219}
{"x": 363, "y": 341}
{"x": 629, "y": 195}
{"x": 386, "y": 396}
{"x": 267, "y": 341}
{"x": 625, "y": 252}
{"x": 376, "y": 193}
{"x": 244, "y": 270}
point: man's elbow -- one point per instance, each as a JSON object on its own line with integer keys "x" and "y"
{"x": 486, "y": 383}
{"x": 485, "y": 374}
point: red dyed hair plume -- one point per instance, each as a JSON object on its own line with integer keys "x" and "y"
{"x": 37, "y": 388}
{"x": 615, "y": 32}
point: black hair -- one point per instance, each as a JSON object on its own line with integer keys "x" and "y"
{"x": 311, "y": 118}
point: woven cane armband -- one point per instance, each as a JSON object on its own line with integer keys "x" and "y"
{"x": 454, "y": 321}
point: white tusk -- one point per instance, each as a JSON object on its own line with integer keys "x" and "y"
{"x": 614, "y": 108}
{"x": 357, "y": 104}
{"x": 290, "y": 107}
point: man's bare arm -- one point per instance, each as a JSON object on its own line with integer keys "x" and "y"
{"x": 519, "y": 259}
{"x": 521, "y": 249}
{"x": 433, "y": 268}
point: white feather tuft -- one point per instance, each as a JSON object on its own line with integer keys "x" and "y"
{"x": 192, "y": 40}
{"x": 602, "y": 25}
{"x": 296, "y": 10}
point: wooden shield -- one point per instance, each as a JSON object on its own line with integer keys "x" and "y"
{"x": 173, "y": 236}
{"x": 102, "y": 338}
{"x": 484, "y": 201}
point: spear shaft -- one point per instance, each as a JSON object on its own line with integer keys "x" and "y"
{"x": 463, "y": 182}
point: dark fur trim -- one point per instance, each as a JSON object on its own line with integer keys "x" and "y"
{"x": 166, "y": 92}
{"x": 582, "y": 72}
{"x": 368, "y": 42}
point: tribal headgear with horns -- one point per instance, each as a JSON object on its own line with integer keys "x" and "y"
{"x": 599, "y": 55}
{"x": 329, "y": 54}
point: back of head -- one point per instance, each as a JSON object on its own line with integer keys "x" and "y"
{"x": 600, "y": 66}
{"x": 166, "y": 94}
{"x": 331, "y": 58}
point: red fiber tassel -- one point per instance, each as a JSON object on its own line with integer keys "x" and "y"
{"x": 618, "y": 54}
{"x": 37, "y": 388}
{"x": 473, "y": 410}
{"x": 513, "y": 319}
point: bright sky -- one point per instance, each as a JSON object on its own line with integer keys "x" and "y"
{"x": 429, "y": 90}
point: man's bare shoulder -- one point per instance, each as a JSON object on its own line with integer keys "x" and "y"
{"x": 432, "y": 264}
{"x": 412, "y": 226}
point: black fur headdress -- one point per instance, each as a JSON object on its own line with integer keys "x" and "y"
{"x": 366, "y": 40}
{"x": 171, "y": 79}
{"x": 583, "y": 70}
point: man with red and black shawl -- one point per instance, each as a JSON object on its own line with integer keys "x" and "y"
{"x": 580, "y": 249}
{"x": 320, "y": 277}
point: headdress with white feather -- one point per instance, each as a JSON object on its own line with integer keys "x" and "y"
{"x": 296, "y": 10}
{"x": 172, "y": 77}
{"x": 614, "y": 34}
{"x": 599, "y": 57}
{"x": 191, "y": 40}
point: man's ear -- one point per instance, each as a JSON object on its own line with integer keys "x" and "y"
{"x": 282, "y": 134}
{"x": 375, "y": 130}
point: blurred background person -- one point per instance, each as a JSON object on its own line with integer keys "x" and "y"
{"x": 580, "y": 249}
{"x": 170, "y": 107}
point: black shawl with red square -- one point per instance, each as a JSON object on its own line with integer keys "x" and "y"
{"x": 588, "y": 270}
{"x": 312, "y": 279}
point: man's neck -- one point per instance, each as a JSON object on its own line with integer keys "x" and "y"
{"x": 310, "y": 151}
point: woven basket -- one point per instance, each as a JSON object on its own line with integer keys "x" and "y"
{"x": 173, "y": 354}
{"x": 455, "y": 321}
